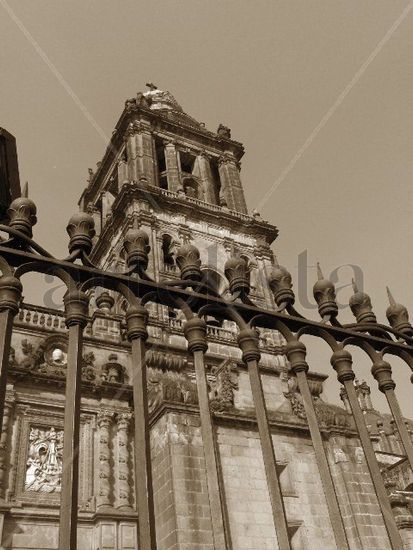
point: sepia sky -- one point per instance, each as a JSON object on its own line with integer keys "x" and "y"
{"x": 319, "y": 91}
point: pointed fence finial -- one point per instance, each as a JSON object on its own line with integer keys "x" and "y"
{"x": 354, "y": 285}
{"x": 237, "y": 272}
{"x": 22, "y": 213}
{"x": 325, "y": 295}
{"x": 280, "y": 282}
{"x": 392, "y": 301}
{"x": 360, "y": 305}
{"x": 398, "y": 316}
{"x": 188, "y": 260}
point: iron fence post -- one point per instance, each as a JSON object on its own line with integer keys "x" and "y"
{"x": 248, "y": 342}
{"x": 76, "y": 306}
{"x": 296, "y": 353}
{"x": 342, "y": 363}
{"x": 137, "y": 319}
{"x": 195, "y": 333}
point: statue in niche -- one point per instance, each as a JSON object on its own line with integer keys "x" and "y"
{"x": 44, "y": 460}
{"x": 112, "y": 371}
{"x": 222, "y": 389}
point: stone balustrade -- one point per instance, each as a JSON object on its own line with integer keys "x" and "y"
{"x": 38, "y": 317}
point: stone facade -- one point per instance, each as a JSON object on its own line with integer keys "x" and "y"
{"x": 165, "y": 173}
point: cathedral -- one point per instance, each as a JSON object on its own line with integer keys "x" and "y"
{"x": 165, "y": 173}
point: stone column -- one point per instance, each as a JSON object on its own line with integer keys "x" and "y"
{"x": 104, "y": 421}
{"x": 4, "y": 451}
{"x": 205, "y": 174}
{"x": 123, "y": 493}
{"x": 172, "y": 168}
{"x": 131, "y": 153}
{"x": 123, "y": 176}
{"x": 146, "y": 154}
{"x": 231, "y": 187}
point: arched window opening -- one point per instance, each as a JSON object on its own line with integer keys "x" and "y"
{"x": 216, "y": 182}
{"x": 161, "y": 164}
{"x": 167, "y": 252}
{"x": 187, "y": 162}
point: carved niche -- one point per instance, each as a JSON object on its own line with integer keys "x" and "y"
{"x": 44, "y": 460}
{"x": 112, "y": 371}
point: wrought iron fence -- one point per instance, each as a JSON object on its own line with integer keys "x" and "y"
{"x": 20, "y": 254}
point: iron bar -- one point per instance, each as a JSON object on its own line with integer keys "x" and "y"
{"x": 247, "y": 339}
{"x": 210, "y": 447}
{"x": 137, "y": 317}
{"x": 70, "y": 473}
{"x": 400, "y": 424}
{"x": 195, "y": 332}
{"x": 342, "y": 363}
{"x": 6, "y": 327}
{"x": 296, "y": 353}
{"x": 10, "y": 295}
{"x": 322, "y": 462}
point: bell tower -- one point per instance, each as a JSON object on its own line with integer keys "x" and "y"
{"x": 165, "y": 173}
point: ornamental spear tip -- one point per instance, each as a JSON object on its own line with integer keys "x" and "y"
{"x": 25, "y": 190}
{"x": 320, "y": 275}
{"x": 355, "y": 289}
{"x": 390, "y": 296}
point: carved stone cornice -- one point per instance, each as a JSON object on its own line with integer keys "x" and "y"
{"x": 192, "y": 208}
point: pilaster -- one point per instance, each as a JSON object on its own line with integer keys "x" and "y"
{"x": 172, "y": 168}
{"x": 104, "y": 422}
{"x": 231, "y": 187}
{"x": 123, "y": 485}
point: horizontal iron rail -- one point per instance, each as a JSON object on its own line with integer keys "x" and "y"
{"x": 169, "y": 295}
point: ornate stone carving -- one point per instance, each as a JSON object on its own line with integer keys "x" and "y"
{"x": 123, "y": 497}
{"x": 339, "y": 455}
{"x": 112, "y": 371}
{"x": 88, "y": 367}
{"x": 104, "y": 421}
{"x": 165, "y": 361}
{"x": 171, "y": 387}
{"x": 49, "y": 358}
{"x": 224, "y": 131}
{"x": 44, "y": 461}
{"x": 329, "y": 415}
{"x": 222, "y": 389}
